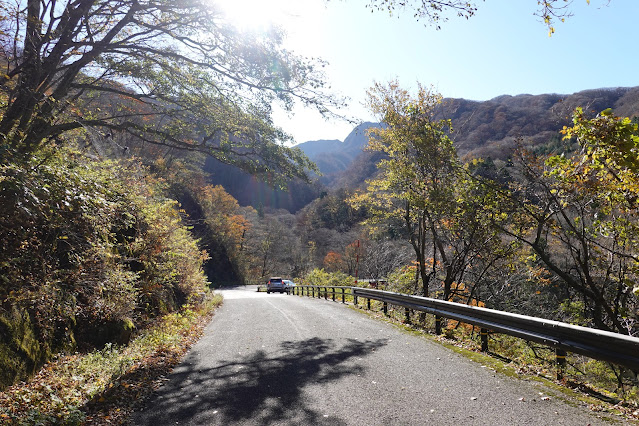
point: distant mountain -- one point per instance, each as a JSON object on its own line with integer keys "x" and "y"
{"x": 492, "y": 128}
{"x": 333, "y": 156}
{"x": 314, "y": 148}
{"x": 485, "y": 129}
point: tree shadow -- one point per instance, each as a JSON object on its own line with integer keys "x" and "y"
{"x": 259, "y": 386}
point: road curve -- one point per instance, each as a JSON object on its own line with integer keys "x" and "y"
{"x": 288, "y": 360}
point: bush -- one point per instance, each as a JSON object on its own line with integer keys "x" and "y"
{"x": 88, "y": 249}
{"x": 321, "y": 277}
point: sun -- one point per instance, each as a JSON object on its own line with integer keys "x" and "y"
{"x": 255, "y": 15}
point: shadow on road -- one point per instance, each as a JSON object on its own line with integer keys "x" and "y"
{"x": 263, "y": 387}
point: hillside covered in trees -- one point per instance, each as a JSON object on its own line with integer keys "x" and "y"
{"x": 484, "y": 129}
{"x": 108, "y": 112}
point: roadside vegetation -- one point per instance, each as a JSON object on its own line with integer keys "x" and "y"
{"x": 108, "y": 109}
{"x": 104, "y": 385}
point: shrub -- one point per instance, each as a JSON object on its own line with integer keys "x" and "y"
{"x": 88, "y": 249}
{"x": 321, "y": 277}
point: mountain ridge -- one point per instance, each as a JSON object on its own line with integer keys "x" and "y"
{"x": 491, "y": 128}
{"x": 487, "y": 129}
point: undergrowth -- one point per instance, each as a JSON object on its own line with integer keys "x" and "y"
{"x": 103, "y": 386}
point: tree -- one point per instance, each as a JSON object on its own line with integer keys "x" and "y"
{"x": 609, "y": 149}
{"x": 416, "y": 179}
{"x": 434, "y": 11}
{"x": 581, "y": 227}
{"x": 333, "y": 262}
{"x": 222, "y": 214}
{"x": 383, "y": 256}
{"x": 445, "y": 209}
{"x": 271, "y": 245}
{"x": 171, "y": 73}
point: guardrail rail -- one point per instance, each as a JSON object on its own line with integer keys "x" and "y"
{"x": 616, "y": 348}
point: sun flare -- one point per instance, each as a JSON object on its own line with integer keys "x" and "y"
{"x": 261, "y": 14}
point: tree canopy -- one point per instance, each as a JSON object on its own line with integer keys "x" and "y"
{"x": 415, "y": 183}
{"x": 168, "y": 72}
{"x": 435, "y": 11}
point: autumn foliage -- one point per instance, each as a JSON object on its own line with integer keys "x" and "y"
{"x": 89, "y": 252}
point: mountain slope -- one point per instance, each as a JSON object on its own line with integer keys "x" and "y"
{"x": 492, "y": 128}
{"x": 334, "y": 157}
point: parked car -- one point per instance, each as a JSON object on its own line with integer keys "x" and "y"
{"x": 290, "y": 285}
{"x": 276, "y": 284}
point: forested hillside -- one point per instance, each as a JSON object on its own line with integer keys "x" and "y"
{"x": 485, "y": 129}
{"x": 492, "y": 128}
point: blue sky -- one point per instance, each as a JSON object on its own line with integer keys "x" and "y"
{"x": 504, "y": 49}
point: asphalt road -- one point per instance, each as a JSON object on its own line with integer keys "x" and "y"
{"x": 289, "y": 360}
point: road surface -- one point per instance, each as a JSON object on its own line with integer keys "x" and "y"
{"x": 289, "y": 360}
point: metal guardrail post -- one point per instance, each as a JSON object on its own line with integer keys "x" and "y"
{"x": 333, "y": 294}
{"x": 484, "y": 339}
{"x": 560, "y": 355}
{"x": 385, "y": 308}
{"x": 438, "y": 325}
{"x": 407, "y": 321}
{"x": 368, "y": 304}
{"x": 355, "y": 300}
{"x": 325, "y": 293}
{"x": 343, "y": 295}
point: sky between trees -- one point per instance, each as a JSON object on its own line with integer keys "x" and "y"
{"x": 503, "y": 49}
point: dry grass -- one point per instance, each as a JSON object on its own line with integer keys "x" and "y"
{"x": 103, "y": 387}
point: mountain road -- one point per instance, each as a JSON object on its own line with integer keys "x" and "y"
{"x": 287, "y": 360}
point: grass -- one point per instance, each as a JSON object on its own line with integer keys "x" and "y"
{"x": 104, "y": 386}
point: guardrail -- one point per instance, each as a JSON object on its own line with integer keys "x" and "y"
{"x": 319, "y": 291}
{"x": 598, "y": 344}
